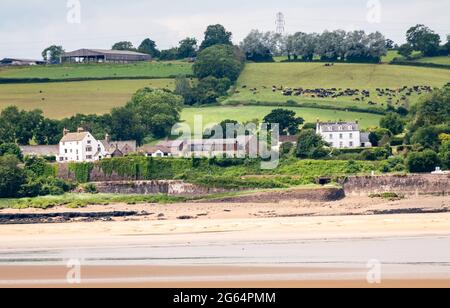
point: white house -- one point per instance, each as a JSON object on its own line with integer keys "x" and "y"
{"x": 156, "y": 151}
{"x": 342, "y": 135}
{"x": 83, "y": 147}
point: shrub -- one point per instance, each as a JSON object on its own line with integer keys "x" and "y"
{"x": 421, "y": 162}
{"x": 90, "y": 188}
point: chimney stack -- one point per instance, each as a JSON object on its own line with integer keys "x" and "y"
{"x": 80, "y": 130}
{"x": 107, "y": 138}
{"x": 65, "y": 131}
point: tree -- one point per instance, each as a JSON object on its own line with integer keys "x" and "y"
{"x": 183, "y": 88}
{"x": 11, "y": 149}
{"x": 19, "y": 126}
{"x": 390, "y": 44}
{"x": 286, "y": 119}
{"x": 216, "y": 35}
{"x": 126, "y": 125}
{"x": 329, "y": 45}
{"x": 220, "y": 61}
{"x": 444, "y": 154}
{"x": 11, "y": 177}
{"x": 432, "y": 110}
{"x": 187, "y": 48}
{"x": 169, "y": 54}
{"x": 157, "y": 110}
{"x": 125, "y": 45}
{"x": 421, "y": 162}
{"x": 261, "y": 47}
{"x": 48, "y": 132}
{"x": 405, "y": 50}
{"x": 376, "y": 136}
{"x": 393, "y": 122}
{"x": 427, "y": 136}
{"x": 310, "y": 145}
{"x": 148, "y": 47}
{"x": 53, "y": 54}
{"x": 424, "y": 39}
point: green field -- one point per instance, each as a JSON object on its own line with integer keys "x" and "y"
{"x": 213, "y": 115}
{"x": 263, "y": 76}
{"x": 63, "y": 99}
{"x": 69, "y": 71}
{"x": 435, "y": 60}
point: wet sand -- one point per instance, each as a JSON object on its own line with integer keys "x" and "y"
{"x": 232, "y": 246}
{"x": 195, "y": 277}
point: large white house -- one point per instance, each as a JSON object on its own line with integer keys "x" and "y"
{"x": 83, "y": 147}
{"x": 343, "y": 135}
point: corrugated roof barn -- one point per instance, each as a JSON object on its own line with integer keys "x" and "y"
{"x": 100, "y": 56}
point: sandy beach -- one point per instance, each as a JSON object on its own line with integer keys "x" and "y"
{"x": 237, "y": 245}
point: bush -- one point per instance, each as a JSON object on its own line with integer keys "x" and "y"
{"x": 393, "y": 164}
{"x": 376, "y": 154}
{"x": 421, "y": 162}
{"x": 90, "y": 188}
{"x": 11, "y": 149}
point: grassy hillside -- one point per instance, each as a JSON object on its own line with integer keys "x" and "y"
{"x": 69, "y": 71}
{"x": 341, "y": 76}
{"x": 212, "y": 115}
{"x": 435, "y": 60}
{"x": 59, "y": 100}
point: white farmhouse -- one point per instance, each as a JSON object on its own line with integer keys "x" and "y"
{"x": 83, "y": 147}
{"x": 80, "y": 147}
{"x": 342, "y": 135}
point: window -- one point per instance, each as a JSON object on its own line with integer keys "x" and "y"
{"x": 88, "y": 149}
{"x": 351, "y": 143}
{"x": 331, "y": 136}
{"x": 65, "y": 151}
{"x": 341, "y": 144}
{"x": 88, "y": 156}
{"x": 351, "y": 135}
{"x": 341, "y": 136}
{"x": 89, "y": 142}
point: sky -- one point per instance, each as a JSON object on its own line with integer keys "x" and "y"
{"x": 29, "y": 26}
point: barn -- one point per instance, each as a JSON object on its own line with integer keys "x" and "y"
{"x": 103, "y": 56}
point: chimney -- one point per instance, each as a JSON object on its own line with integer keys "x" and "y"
{"x": 65, "y": 131}
{"x": 80, "y": 130}
{"x": 107, "y": 138}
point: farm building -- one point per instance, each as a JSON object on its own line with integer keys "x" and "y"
{"x": 103, "y": 56}
{"x": 20, "y": 62}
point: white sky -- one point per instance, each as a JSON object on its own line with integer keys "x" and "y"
{"x": 28, "y": 26}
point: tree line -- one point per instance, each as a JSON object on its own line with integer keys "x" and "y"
{"x": 339, "y": 45}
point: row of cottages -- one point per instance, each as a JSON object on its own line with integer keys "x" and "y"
{"x": 81, "y": 146}
{"x": 343, "y": 135}
{"x": 231, "y": 147}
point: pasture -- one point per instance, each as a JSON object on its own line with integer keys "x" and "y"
{"x": 213, "y": 115}
{"x": 257, "y": 80}
{"x": 105, "y": 70}
{"x": 63, "y": 99}
{"x": 445, "y": 60}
